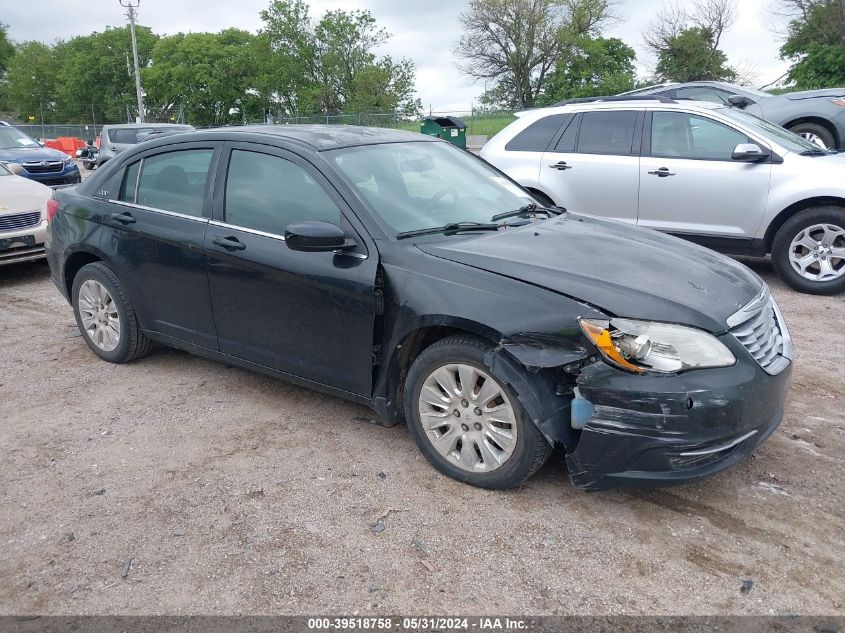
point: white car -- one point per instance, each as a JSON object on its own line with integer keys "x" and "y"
{"x": 712, "y": 174}
{"x": 22, "y": 221}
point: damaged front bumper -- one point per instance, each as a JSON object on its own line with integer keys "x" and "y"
{"x": 653, "y": 430}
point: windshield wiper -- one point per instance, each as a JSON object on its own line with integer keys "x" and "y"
{"x": 531, "y": 208}
{"x": 452, "y": 227}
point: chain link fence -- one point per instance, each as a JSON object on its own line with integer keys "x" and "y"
{"x": 479, "y": 122}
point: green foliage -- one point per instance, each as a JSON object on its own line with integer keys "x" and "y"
{"x": 292, "y": 66}
{"x": 7, "y": 50}
{"x": 32, "y": 78}
{"x": 94, "y": 71}
{"x": 591, "y": 67}
{"x": 210, "y": 75}
{"x": 331, "y": 67}
{"x": 816, "y": 46}
{"x": 692, "y": 55}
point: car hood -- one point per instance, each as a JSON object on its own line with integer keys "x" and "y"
{"x": 830, "y": 93}
{"x": 618, "y": 268}
{"x": 25, "y": 154}
{"x": 19, "y": 194}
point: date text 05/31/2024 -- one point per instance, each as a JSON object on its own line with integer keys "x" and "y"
{"x": 416, "y": 624}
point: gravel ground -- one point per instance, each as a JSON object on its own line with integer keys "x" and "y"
{"x": 178, "y": 485}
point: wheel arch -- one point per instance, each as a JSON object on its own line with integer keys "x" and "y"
{"x": 389, "y": 389}
{"x": 815, "y": 120}
{"x": 73, "y": 264}
{"x": 795, "y": 208}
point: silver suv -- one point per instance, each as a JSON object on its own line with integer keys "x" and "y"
{"x": 711, "y": 174}
{"x": 116, "y": 138}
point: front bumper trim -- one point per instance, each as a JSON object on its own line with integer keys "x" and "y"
{"x": 718, "y": 449}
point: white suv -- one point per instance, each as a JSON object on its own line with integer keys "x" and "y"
{"x": 711, "y": 174}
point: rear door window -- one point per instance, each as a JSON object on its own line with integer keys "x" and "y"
{"x": 537, "y": 136}
{"x": 175, "y": 181}
{"x": 607, "y": 132}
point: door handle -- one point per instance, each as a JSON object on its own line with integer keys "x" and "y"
{"x": 663, "y": 172}
{"x": 123, "y": 218}
{"x": 561, "y": 166}
{"x": 229, "y": 243}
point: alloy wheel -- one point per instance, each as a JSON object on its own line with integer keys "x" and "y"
{"x": 468, "y": 418}
{"x": 99, "y": 315}
{"x": 814, "y": 138}
{"x": 817, "y": 253}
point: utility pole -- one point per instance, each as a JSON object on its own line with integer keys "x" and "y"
{"x": 131, "y": 5}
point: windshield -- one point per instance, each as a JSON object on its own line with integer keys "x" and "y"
{"x": 11, "y": 137}
{"x": 784, "y": 137}
{"x": 419, "y": 185}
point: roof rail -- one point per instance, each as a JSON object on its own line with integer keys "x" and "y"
{"x": 659, "y": 98}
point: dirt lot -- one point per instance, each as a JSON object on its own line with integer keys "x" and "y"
{"x": 234, "y": 493}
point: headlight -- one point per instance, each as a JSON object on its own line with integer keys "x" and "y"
{"x": 641, "y": 346}
{"x": 70, "y": 161}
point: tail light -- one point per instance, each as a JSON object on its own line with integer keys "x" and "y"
{"x": 52, "y": 209}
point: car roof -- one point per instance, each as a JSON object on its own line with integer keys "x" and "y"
{"x": 620, "y": 104}
{"x": 319, "y": 137}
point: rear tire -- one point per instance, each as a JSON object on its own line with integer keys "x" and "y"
{"x": 492, "y": 442}
{"x": 812, "y": 131}
{"x": 808, "y": 251}
{"x": 105, "y": 317}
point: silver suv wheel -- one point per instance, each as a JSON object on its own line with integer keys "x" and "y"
{"x": 817, "y": 253}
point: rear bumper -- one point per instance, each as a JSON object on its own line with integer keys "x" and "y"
{"x": 23, "y": 245}
{"x": 664, "y": 430}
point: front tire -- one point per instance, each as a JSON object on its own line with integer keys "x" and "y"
{"x": 105, "y": 317}
{"x": 808, "y": 251}
{"x": 467, "y": 421}
{"x": 815, "y": 133}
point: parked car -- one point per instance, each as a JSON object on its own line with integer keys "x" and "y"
{"x": 22, "y": 223}
{"x": 711, "y": 174}
{"x": 400, "y": 272}
{"x": 117, "y": 138}
{"x": 42, "y": 164}
{"x": 815, "y": 115}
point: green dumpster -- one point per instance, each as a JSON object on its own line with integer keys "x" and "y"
{"x": 449, "y": 128}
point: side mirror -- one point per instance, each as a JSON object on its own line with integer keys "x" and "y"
{"x": 749, "y": 153}
{"x": 739, "y": 101}
{"x": 316, "y": 237}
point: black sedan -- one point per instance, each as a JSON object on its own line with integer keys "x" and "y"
{"x": 400, "y": 272}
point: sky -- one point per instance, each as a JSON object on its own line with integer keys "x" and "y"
{"x": 422, "y": 31}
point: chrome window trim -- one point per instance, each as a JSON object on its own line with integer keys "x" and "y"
{"x": 132, "y": 205}
{"x": 224, "y": 225}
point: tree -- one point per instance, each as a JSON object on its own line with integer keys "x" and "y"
{"x": 515, "y": 43}
{"x": 7, "y": 49}
{"x": 686, "y": 41}
{"x": 210, "y": 75}
{"x": 331, "y": 66}
{"x": 32, "y": 79}
{"x": 815, "y": 42}
{"x": 94, "y": 72}
{"x": 592, "y": 67}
